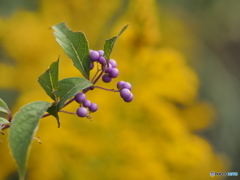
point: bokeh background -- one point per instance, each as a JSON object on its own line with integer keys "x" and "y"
{"x": 182, "y": 58}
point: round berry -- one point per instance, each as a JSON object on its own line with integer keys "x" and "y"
{"x": 113, "y": 63}
{"x": 91, "y": 65}
{"x": 80, "y": 97}
{"x": 127, "y": 85}
{"x": 125, "y": 93}
{"x": 94, "y": 55}
{"x": 106, "y": 78}
{"x": 102, "y": 60}
{"x": 82, "y": 112}
{"x": 114, "y": 73}
{"x": 129, "y": 99}
{"x": 119, "y": 84}
{"x": 86, "y": 103}
{"x": 93, "y": 107}
{"x": 101, "y": 52}
{"x": 108, "y": 70}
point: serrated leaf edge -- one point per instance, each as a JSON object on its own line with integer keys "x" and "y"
{"x": 85, "y": 74}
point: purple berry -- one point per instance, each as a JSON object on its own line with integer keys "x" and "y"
{"x": 129, "y": 99}
{"x": 80, "y": 97}
{"x": 114, "y": 73}
{"x": 93, "y": 107}
{"x": 109, "y": 65}
{"x": 125, "y": 93}
{"x": 127, "y": 85}
{"x": 82, "y": 112}
{"x": 102, "y": 60}
{"x": 119, "y": 84}
{"x": 86, "y": 103}
{"x": 91, "y": 65}
{"x": 113, "y": 63}
{"x": 108, "y": 70}
{"x": 106, "y": 78}
{"x": 94, "y": 55}
{"x": 101, "y": 52}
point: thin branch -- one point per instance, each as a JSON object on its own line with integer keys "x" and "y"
{"x": 67, "y": 112}
{"x": 46, "y": 115}
{"x": 104, "y": 67}
{"x": 98, "y": 70}
{"x": 105, "y": 89}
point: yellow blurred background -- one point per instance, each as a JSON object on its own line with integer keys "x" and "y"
{"x": 174, "y": 127}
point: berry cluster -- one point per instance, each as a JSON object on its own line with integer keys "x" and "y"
{"x": 82, "y": 111}
{"x": 125, "y": 91}
{"x": 110, "y": 68}
{"x": 97, "y": 56}
{"x": 108, "y": 71}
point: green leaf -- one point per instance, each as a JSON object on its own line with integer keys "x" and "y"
{"x": 69, "y": 87}
{"x": 22, "y": 130}
{"x": 3, "y": 107}
{"x": 49, "y": 80}
{"x": 53, "y": 110}
{"x": 109, "y": 44}
{"x": 3, "y": 121}
{"x": 75, "y": 45}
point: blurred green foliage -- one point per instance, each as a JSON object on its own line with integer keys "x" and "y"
{"x": 212, "y": 28}
{"x": 7, "y": 8}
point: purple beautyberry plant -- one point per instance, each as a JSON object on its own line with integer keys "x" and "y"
{"x": 23, "y": 125}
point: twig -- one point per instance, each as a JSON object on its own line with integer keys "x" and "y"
{"x": 105, "y": 89}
